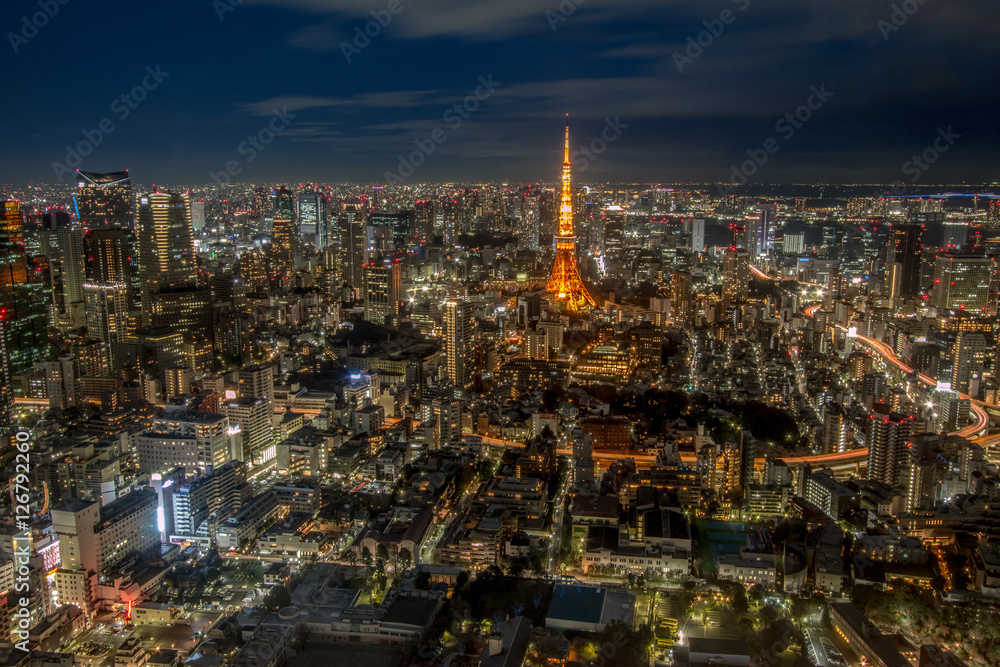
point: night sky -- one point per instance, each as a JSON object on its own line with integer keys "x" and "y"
{"x": 604, "y": 59}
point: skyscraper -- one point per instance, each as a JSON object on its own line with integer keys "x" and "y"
{"x": 284, "y": 241}
{"x": 107, "y": 314}
{"x": 103, "y": 200}
{"x": 352, "y": 246}
{"x": 968, "y": 357}
{"x": 735, "y": 275}
{"x": 888, "y": 442}
{"x": 565, "y": 284}
{"x": 166, "y": 247}
{"x": 760, "y": 231}
{"x": 904, "y": 249}
{"x": 24, "y": 304}
{"x": 961, "y": 281}
{"x": 383, "y": 291}
{"x": 954, "y": 235}
{"x": 459, "y": 325}
{"x": 109, "y": 259}
{"x": 680, "y": 298}
{"x": 311, "y": 212}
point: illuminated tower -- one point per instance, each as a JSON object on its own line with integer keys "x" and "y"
{"x": 565, "y": 284}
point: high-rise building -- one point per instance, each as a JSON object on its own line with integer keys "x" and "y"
{"x": 13, "y": 265}
{"x": 383, "y": 291}
{"x": 968, "y": 357}
{"x": 834, "y": 429}
{"x": 961, "y": 281}
{"x": 251, "y": 418}
{"x": 681, "y": 307}
{"x": 103, "y": 200}
{"x": 889, "y": 439}
{"x": 24, "y": 304}
{"x": 166, "y": 247}
{"x": 565, "y": 284}
{"x": 459, "y": 327}
{"x": 698, "y": 235}
{"x": 904, "y": 248}
{"x": 60, "y": 381}
{"x": 310, "y": 209}
{"x": 208, "y": 499}
{"x": 109, "y": 258}
{"x": 760, "y": 230}
{"x": 735, "y": 275}
{"x": 352, "y": 246}
{"x": 190, "y": 440}
{"x": 284, "y": 247}
{"x": 794, "y": 244}
{"x": 954, "y": 235}
{"x": 614, "y": 234}
{"x": 256, "y": 382}
{"x": 107, "y": 314}
{"x": 72, "y": 263}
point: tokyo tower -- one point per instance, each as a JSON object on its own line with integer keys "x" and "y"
{"x": 565, "y": 284}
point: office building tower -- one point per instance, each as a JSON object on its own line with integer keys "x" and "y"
{"x": 198, "y": 215}
{"x": 459, "y": 327}
{"x": 24, "y": 304}
{"x": 835, "y": 429}
{"x": 952, "y": 411}
{"x": 961, "y": 281}
{"x": 250, "y": 420}
{"x": 565, "y": 284}
{"x": 383, "y": 291}
{"x": 109, "y": 259}
{"x": 60, "y": 381}
{"x": 681, "y": 306}
{"x": 107, "y": 314}
{"x": 352, "y": 246}
{"x": 256, "y": 382}
{"x": 760, "y": 230}
{"x": 284, "y": 247}
{"x": 614, "y": 235}
{"x": 794, "y": 244}
{"x": 968, "y": 357}
{"x": 954, "y": 235}
{"x": 103, "y": 200}
{"x": 190, "y": 440}
{"x": 72, "y": 263}
{"x": 13, "y": 264}
{"x": 166, "y": 247}
{"x": 310, "y": 209}
{"x": 735, "y": 275}
{"x": 904, "y": 248}
{"x": 697, "y": 235}
{"x": 206, "y": 501}
{"x": 177, "y": 382}
{"x": 889, "y": 438}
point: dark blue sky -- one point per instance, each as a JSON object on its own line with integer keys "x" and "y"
{"x": 608, "y": 58}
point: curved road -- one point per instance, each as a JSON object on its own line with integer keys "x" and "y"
{"x": 977, "y": 429}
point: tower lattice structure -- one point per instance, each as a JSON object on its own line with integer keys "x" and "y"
{"x": 565, "y": 284}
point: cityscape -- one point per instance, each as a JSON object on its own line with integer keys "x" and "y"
{"x": 599, "y": 374}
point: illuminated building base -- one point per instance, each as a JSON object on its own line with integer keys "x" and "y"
{"x": 565, "y": 284}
